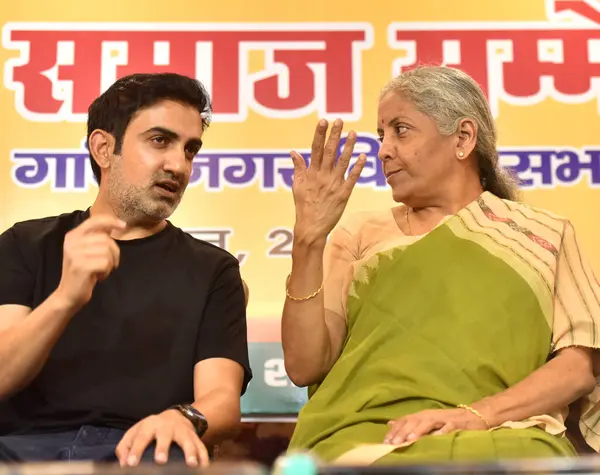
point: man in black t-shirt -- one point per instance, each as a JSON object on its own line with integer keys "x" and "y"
{"x": 121, "y": 336}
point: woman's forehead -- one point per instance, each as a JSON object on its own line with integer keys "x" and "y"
{"x": 393, "y": 107}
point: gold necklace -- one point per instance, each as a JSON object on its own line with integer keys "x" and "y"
{"x": 408, "y": 222}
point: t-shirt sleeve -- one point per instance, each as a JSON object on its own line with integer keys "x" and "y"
{"x": 576, "y": 297}
{"x": 16, "y": 280}
{"x": 223, "y": 331}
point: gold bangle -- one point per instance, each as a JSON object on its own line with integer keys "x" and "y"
{"x": 308, "y": 297}
{"x": 476, "y": 412}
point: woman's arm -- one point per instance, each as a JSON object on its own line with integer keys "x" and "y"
{"x": 560, "y": 382}
{"x": 311, "y": 335}
{"x": 311, "y": 341}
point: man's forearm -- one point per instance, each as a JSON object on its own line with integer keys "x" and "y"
{"x": 25, "y": 346}
{"x": 558, "y": 383}
{"x": 222, "y": 411}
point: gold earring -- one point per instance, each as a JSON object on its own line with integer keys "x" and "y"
{"x": 461, "y": 154}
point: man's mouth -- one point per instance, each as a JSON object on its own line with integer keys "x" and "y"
{"x": 168, "y": 185}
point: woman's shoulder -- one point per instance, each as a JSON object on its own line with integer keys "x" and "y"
{"x": 366, "y": 230}
{"x": 526, "y": 214}
{"x": 361, "y": 221}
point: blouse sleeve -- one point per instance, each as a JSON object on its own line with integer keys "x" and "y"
{"x": 576, "y": 297}
{"x": 341, "y": 251}
{"x": 577, "y": 320}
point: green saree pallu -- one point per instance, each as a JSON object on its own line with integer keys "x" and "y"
{"x": 448, "y": 318}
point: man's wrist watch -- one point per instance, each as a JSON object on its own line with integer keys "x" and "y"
{"x": 194, "y": 416}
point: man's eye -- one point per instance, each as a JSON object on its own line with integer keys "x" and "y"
{"x": 159, "y": 140}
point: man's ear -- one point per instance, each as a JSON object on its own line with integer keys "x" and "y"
{"x": 102, "y": 146}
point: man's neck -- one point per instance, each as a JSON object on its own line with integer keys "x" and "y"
{"x": 134, "y": 230}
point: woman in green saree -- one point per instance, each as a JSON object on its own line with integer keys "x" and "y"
{"x": 460, "y": 324}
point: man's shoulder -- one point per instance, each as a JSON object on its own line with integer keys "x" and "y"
{"x": 40, "y": 228}
{"x": 202, "y": 249}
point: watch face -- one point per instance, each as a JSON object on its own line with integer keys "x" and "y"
{"x": 197, "y": 418}
{"x": 194, "y": 411}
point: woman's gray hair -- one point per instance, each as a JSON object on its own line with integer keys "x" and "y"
{"x": 449, "y": 95}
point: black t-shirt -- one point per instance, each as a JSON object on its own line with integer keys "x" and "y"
{"x": 130, "y": 352}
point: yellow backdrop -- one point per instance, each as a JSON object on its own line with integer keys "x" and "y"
{"x": 273, "y": 68}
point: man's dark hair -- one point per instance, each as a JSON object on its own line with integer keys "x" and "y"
{"x": 113, "y": 110}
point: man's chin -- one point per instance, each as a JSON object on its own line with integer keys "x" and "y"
{"x": 163, "y": 209}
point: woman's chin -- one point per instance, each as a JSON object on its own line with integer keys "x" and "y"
{"x": 399, "y": 195}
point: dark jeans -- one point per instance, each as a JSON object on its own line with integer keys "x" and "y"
{"x": 91, "y": 443}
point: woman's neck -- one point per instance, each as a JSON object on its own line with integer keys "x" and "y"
{"x": 422, "y": 218}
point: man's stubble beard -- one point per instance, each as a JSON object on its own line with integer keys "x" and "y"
{"x": 134, "y": 204}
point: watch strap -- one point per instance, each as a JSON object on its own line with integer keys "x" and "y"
{"x": 193, "y": 415}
